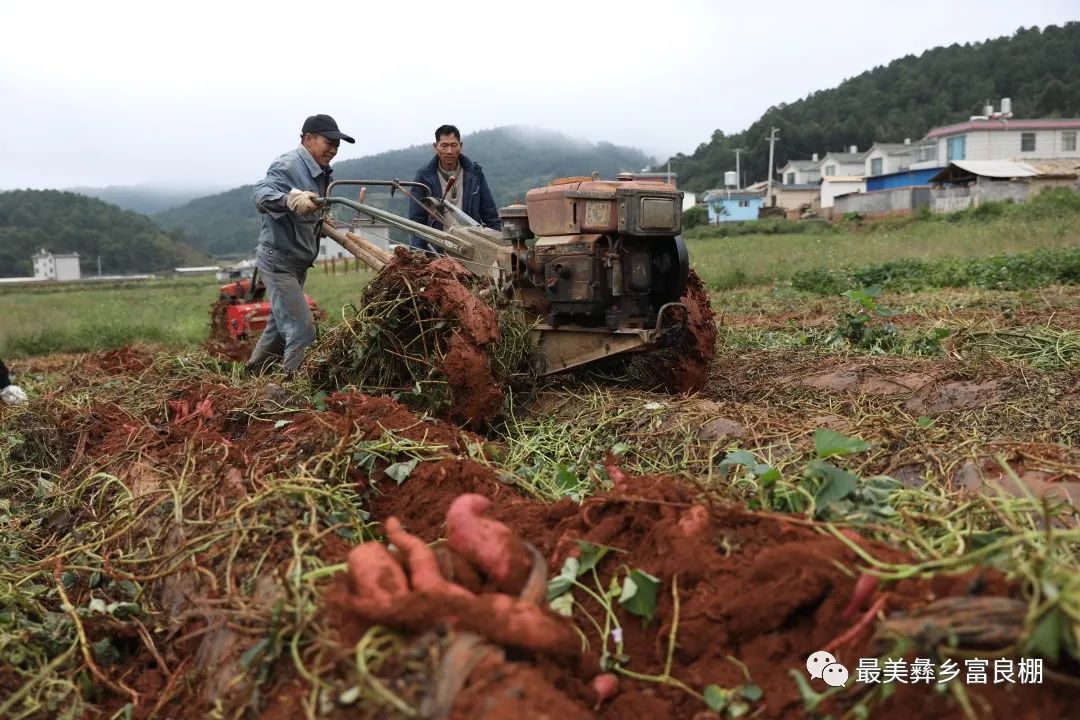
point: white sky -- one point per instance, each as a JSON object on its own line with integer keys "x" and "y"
{"x": 207, "y": 93}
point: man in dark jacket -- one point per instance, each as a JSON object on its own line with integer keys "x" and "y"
{"x": 469, "y": 191}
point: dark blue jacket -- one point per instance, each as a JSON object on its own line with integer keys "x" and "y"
{"x": 476, "y": 199}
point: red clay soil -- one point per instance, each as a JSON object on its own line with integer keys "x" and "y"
{"x": 447, "y": 292}
{"x": 762, "y": 588}
{"x": 127, "y": 359}
{"x": 699, "y": 346}
{"x": 765, "y": 589}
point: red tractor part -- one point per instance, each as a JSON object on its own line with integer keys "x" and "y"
{"x": 247, "y": 310}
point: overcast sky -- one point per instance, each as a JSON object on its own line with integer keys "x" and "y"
{"x": 208, "y": 93}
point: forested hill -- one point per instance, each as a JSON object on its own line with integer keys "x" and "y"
{"x": 145, "y": 199}
{"x": 514, "y": 159}
{"x": 65, "y": 222}
{"x": 1040, "y": 71}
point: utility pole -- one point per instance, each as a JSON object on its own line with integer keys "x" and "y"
{"x": 772, "y": 148}
{"x": 99, "y": 265}
{"x": 738, "y": 172}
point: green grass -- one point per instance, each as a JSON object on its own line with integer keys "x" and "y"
{"x": 747, "y": 260}
{"x": 80, "y": 318}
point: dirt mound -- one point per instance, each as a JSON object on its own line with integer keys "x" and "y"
{"x": 129, "y": 359}
{"x": 429, "y": 330}
{"x": 764, "y": 589}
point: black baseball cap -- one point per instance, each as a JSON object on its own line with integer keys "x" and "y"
{"x": 326, "y": 126}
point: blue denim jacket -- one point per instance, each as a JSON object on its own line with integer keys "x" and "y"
{"x": 287, "y": 240}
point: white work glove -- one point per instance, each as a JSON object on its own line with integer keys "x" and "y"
{"x": 302, "y": 202}
{"x": 13, "y": 395}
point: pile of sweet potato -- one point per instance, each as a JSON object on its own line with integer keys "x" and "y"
{"x": 484, "y": 580}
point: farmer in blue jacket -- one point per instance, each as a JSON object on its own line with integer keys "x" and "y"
{"x": 469, "y": 192}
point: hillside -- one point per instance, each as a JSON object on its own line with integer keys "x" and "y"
{"x": 145, "y": 199}
{"x": 1040, "y": 71}
{"x": 67, "y": 222}
{"x": 514, "y": 159}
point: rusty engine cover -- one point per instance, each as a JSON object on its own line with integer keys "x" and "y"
{"x": 636, "y": 208}
{"x": 603, "y": 252}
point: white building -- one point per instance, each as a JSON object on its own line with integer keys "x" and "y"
{"x": 843, "y": 163}
{"x": 800, "y": 172}
{"x": 836, "y": 185}
{"x": 56, "y": 266}
{"x": 998, "y": 139}
{"x": 887, "y": 158}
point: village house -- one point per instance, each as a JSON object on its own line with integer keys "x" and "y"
{"x": 733, "y": 205}
{"x": 800, "y": 172}
{"x": 887, "y": 158}
{"x": 847, "y": 163}
{"x": 62, "y": 267}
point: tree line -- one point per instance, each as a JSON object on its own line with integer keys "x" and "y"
{"x": 65, "y": 222}
{"x": 1039, "y": 70}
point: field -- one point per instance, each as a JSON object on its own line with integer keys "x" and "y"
{"x": 887, "y": 473}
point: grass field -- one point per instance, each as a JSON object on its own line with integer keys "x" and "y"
{"x": 78, "y": 318}
{"x": 84, "y": 317}
{"x": 745, "y": 260}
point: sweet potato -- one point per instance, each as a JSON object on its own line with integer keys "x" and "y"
{"x": 606, "y": 686}
{"x": 424, "y": 572}
{"x": 378, "y": 581}
{"x": 382, "y": 593}
{"x": 488, "y": 544}
{"x": 864, "y": 588}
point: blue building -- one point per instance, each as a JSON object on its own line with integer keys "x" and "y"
{"x": 733, "y": 205}
{"x": 902, "y": 179}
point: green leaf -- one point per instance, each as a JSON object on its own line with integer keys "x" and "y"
{"x": 751, "y": 692}
{"x": 837, "y": 486}
{"x": 716, "y": 697}
{"x": 562, "y": 582}
{"x": 105, "y": 652}
{"x": 619, "y": 449}
{"x": 1049, "y": 635}
{"x": 748, "y": 460}
{"x": 590, "y": 556}
{"x": 639, "y": 593}
{"x": 124, "y": 610}
{"x": 399, "y": 471}
{"x": 737, "y": 709}
{"x": 252, "y": 653}
{"x": 563, "y": 605}
{"x": 810, "y": 697}
{"x": 828, "y": 443}
{"x": 566, "y": 479}
{"x": 924, "y": 422}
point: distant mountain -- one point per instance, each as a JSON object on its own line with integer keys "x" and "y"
{"x": 145, "y": 199}
{"x": 1039, "y": 70}
{"x": 66, "y": 222}
{"x": 514, "y": 159}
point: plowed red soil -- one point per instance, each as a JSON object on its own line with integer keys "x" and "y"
{"x": 763, "y": 588}
{"x": 476, "y": 394}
